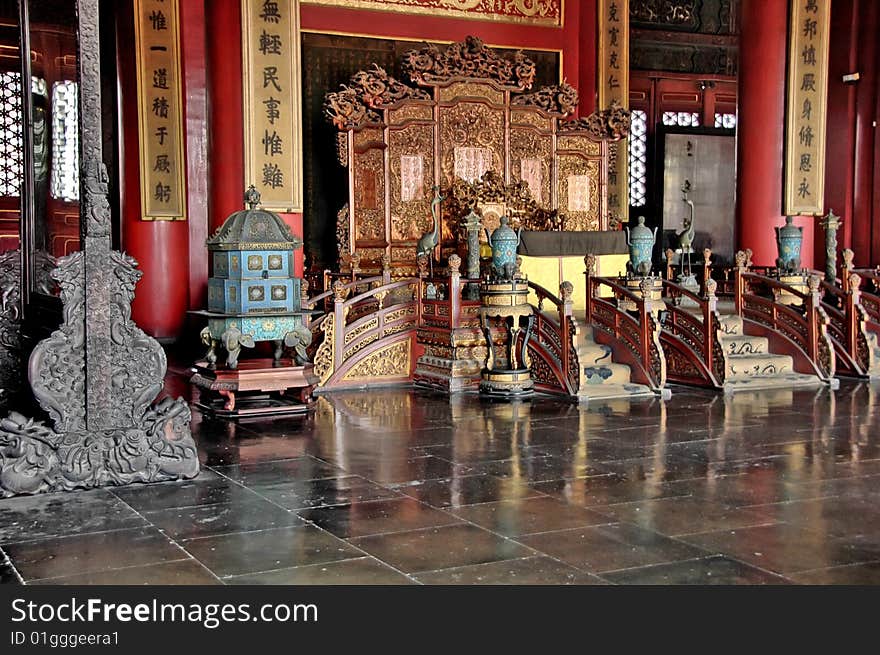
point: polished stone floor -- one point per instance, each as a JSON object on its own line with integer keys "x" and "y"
{"x": 393, "y": 486}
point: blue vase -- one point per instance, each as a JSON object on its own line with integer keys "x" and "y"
{"x": 641, "y": 246}
{"x": 504, "y": 241}
{"x": 789, "y": 238}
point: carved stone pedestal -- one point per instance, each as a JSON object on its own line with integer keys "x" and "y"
{"x": 654, "y": 301}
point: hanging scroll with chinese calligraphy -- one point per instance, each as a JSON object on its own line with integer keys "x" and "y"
{"x": 805, "y": 107}
{"x": 160, "y": 115}
{"x": 614, "y": 88}
{"x": 272, "y": 102}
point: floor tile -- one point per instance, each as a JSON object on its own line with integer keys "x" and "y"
{"x": 686, "y": 515}
{"x": 326, "y": 492}
{"x": 715, "y": 570}
{"x": 467, "y": 490}
{"x": 359, "y": 571}
{"x": 440, "y": 548}
{"x": 259, "y": 474}
{"x": 222, "y": 518}
{"x": 97, "y": 551}
{"x": 610, "y": 547}
{"x": 784, "y": 548}
{"x": 867, "y": 573}
{"x": 204, "y": 490}
{"x": 528, "y": 516}
{"x": 528, "y": 571}
{"x": 268, "y": 550}
{"x": 375, "y": 517}
{"x": 50, "y": 515}
{"x": 181, "y": 572}
{"x": 608, "y": 490}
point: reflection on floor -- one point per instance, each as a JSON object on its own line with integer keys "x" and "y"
{"x": 400, "y": 487}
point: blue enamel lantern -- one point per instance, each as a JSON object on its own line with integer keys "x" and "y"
{"x": 641, "y": 246}
{"x": 788, "y": 244}
{"x": 504, "y": 242}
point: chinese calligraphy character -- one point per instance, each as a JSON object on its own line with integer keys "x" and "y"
{"x": 613, "y": 82}
{"x": 272, "y": 144}
{"x": 807, "y": 111}
{"x": 811, "y": 6}
{"x": 270, "y": 12}
{"x": 270, "y": 44}
{"x": 161, "y": 132}
{"x": 809, "y": 55}
{"x": 613, "y": 60}
{"x": 613, "y": 35}
{"x": 804, "y": 188}
{"x": 806, "y": 136}
{"x": 160, "y": 78}
{"x": 272, "y": 112}
{"x": 163, "y": 164}
{"x": 612, "y": 13}
{"x": 809, "y": 82}
{"x": 273, "y": 176}
{"x": 160, "y": 107}
{"x": 162, "y": 193}
{"x": 270, "y": 76}
{"x": 806, "y": 164}
{"x": 810, "y": 28}
{"x": 157, "y": 18}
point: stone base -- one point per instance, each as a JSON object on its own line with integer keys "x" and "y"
{"x": 797, "y": 282}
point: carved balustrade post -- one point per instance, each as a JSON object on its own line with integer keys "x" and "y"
{"x": 741, "y": 259}
{"x": 707, "y": 268}
{"x": 566, "y": 295}
{"x": 853, "y": 315}
{"x": 812, "y": 303}
{"x": 339, "y": 315}
{"x": 454, "y": 291}
{"x": 645, "y": 324}
{"x": 589, "y": 271}
{"x": 709, "y": 326}
{"x": 670, "y": 274}
{"x": 847, "y": 266}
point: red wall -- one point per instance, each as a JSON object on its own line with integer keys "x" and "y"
{"x": 172, "y": 255}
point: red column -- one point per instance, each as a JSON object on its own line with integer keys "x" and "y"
{"x": 161, "y": 247}
{"x": 760, "y": 130}
{"x": 225, "y": 110}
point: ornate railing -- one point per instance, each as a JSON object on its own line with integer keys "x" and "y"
{"x": 868, "y": 284}
{"x": 805, "y": 329}
{"x": 638, "y": 332}
{"x": 343, "y": 355}
{"x": 554, "y": 358}
{"x": 691, "y": 343}
{"x": 848, "y": 325}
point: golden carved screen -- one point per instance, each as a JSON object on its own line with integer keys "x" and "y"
{"x": 464, "y": 118}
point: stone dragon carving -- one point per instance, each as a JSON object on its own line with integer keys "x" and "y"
{"x": 10, "y": 325}
{"x": 98, "y": 373}
{"x": 150, "y": 444}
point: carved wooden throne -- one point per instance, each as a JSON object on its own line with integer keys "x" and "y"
{"x": 98, "y": 374}
{"x": 463, "y": 115}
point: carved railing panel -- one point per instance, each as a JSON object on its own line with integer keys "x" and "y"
{"x": 806, "y": 329}
{"x": 639, "y": 337}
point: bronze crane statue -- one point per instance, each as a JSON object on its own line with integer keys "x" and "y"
{"x": 686, "y": 236}
{"x": 429, "y": 240}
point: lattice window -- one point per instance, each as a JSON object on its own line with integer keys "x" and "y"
{"x": 638, "y": 158}
{"x": 65, "y": 141}
{"x": 727, "y": 121}
{"x": 681, "y": 118}
{"x": 10, "y": 134}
